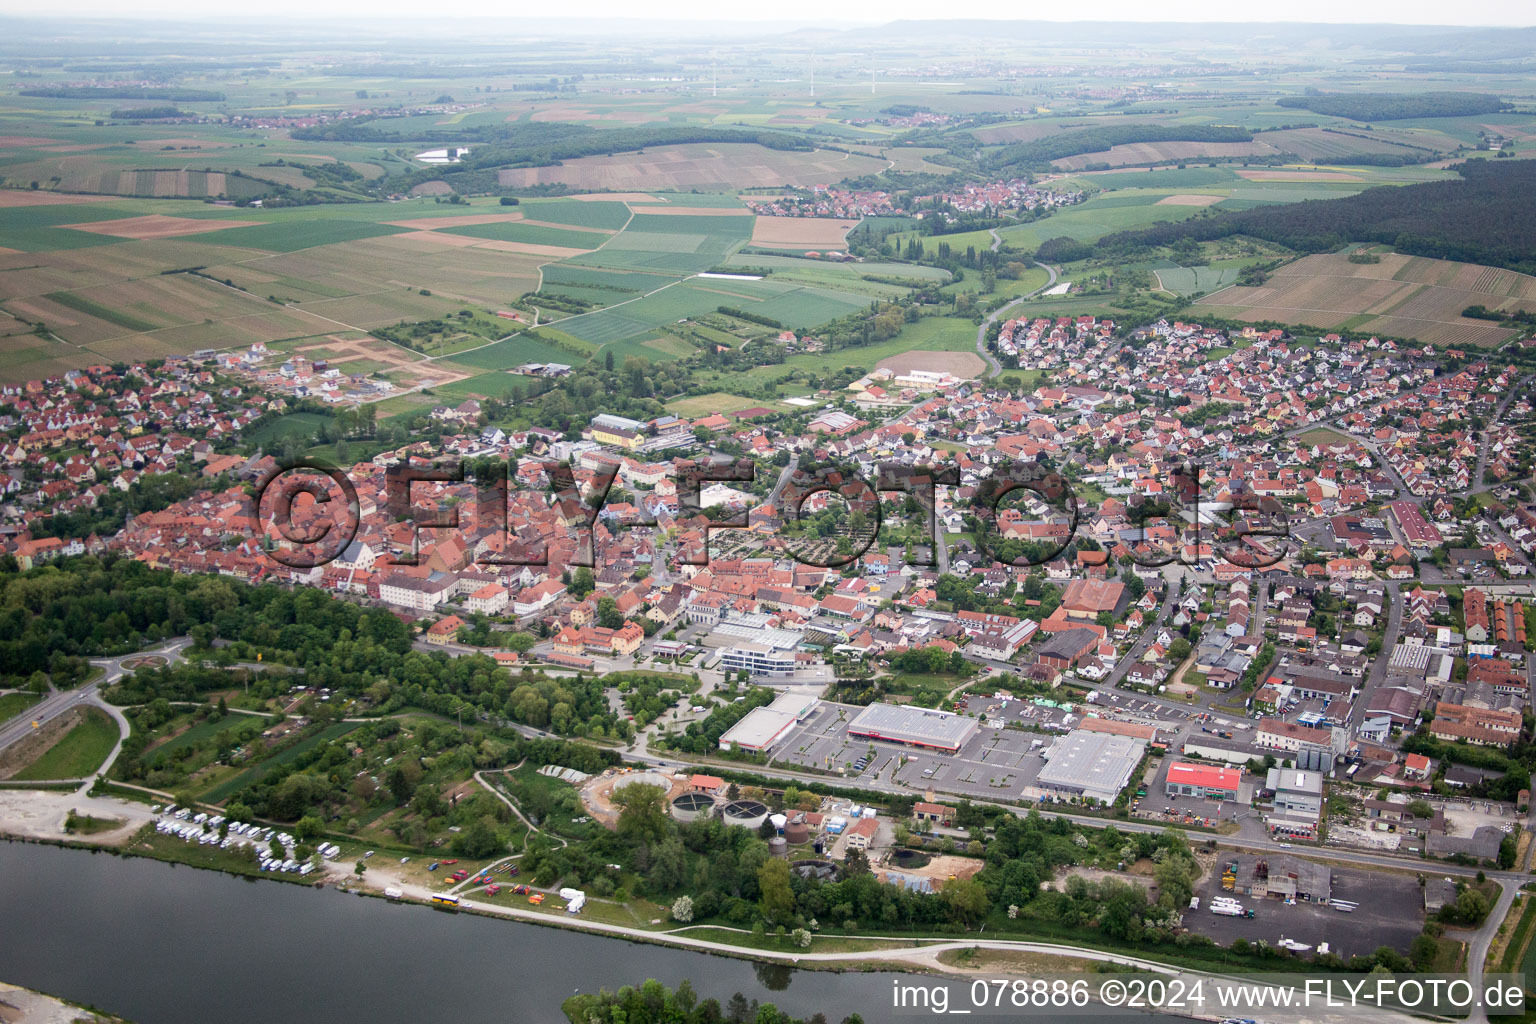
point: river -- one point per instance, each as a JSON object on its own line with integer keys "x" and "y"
{"x": 168, "y": 944}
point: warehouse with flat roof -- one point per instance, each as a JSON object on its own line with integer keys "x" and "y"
{"x": 1088, "y": 766}
{"x": 762, "y": 727}
{"x": 1215, "y": 782}
{"x": 913, "y": 726}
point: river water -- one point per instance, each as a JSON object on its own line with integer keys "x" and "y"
{"x": 168, "y": 944}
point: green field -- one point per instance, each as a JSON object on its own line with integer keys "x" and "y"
{"x": 514, "y": 351}
{"x": 577, "y": 213}
{"x": 797, "y": 306}
{"x": 293, "y": 424}
{"x": 699, "y": 406}
{"x": 535, "y": 234}
{"x": 930, "y": 334}
{"x": 13, "y": 704}
{"x": 78, "y": 753}
{"x": 286, "y": 236}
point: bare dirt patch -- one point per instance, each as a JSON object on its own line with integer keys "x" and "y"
{"x": 597, "y": 794}
{"x": 157, "y": 225}
{"x": 558, "y": 252}
{"x": 36, "y": 743}
{"x": 432, "y": 188}
{"x": 40, "y": 814}
{"x": 801, "y": 232}
{"x": 617, "y": 197}
{"x": 25, "y": 141}
{"x": 961, "y": 364}
{"x": 26, "y": 197}
{"x": 429, "y": 223}
{"x": 438, "y": 238}
{"x": 1188, "y": 199}
{"x": 939, "y": 870}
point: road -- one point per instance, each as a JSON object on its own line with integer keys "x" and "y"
{"x": 994, "y": 367}
{"x": 1379, "y": 664}
{"x": 1520, "y": 387}
{"x": 62, "y": 701}
{"x": 1482, "y": 939}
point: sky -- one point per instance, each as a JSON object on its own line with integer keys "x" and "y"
{"x": 801, "y": 12}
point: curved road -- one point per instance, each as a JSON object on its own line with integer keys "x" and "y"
{"x": 993, "y": 366}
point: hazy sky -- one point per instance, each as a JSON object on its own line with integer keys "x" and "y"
{"x": 1400, "y": 12}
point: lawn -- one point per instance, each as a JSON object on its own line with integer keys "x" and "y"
{"x": 293, "y": 424}
{"x": 1322, "y": 435}
{"x": 13, "y": 704}
{"x": 78, "y": 752}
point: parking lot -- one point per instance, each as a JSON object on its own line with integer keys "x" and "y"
{"x": 993, "y": 763}
{"x": 1391, "y": 913}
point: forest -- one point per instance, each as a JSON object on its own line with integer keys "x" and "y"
{"x": 654, "y": 1003}
{"x": 1485, "y": 217}
{"x": 1393, "y": 106}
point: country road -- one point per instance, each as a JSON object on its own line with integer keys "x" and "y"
{"x": 993, "y": 366}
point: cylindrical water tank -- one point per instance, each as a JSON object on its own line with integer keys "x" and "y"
{"x": 777, "y": 847}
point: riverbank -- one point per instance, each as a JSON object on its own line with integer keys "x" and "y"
{"x": 909, "y": 954}
{"x": 24, "y": 1006}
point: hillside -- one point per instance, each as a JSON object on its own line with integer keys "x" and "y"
{"x": 1399, "y": 296}
{"x": 1485, "y": 217}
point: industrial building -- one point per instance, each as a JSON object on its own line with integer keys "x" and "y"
{"x": 913, "y": 726}
{"x": 1298, "y": 801}
{"x": 765, "y": 726}
{"x": 1186, "y": 778}
{"x": 1089, "y": 766}
{"x": 1279, "y": 876}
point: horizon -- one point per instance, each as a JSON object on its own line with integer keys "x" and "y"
{"x": 801, "y": 14}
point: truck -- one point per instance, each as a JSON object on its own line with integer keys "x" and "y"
{"x": 1229, "y": 910}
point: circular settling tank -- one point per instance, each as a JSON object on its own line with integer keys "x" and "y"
{"x": 693, "y": 806}
{"x": 746, "y": 813}
{"x": 656, "y": 779}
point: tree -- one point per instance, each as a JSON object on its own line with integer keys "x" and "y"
{"x": 480, "y": 839}
{"x": 966, "y": 899}
{"x": 801, "y": 937}
{"x": 308, "y": 827}
{"x": 608, "y": 614}
{"x": 682, "y": 909}
{"x": 582, "y": 582}
{"x": 643, "y": 812}
{"x": 776, "y": 898}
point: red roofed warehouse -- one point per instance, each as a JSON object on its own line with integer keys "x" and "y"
{"x": 1185, "y": 778}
